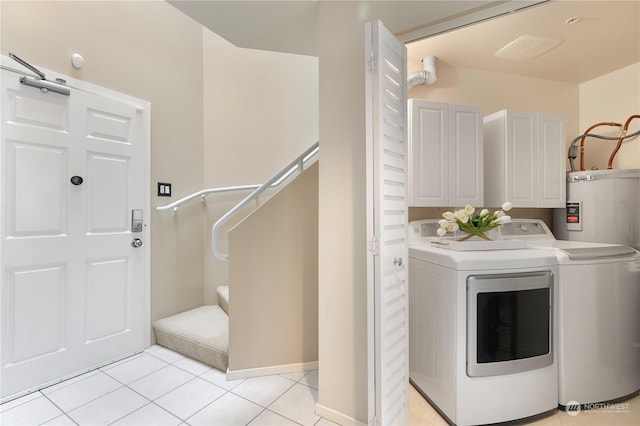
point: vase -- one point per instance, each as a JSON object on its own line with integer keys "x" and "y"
{"x": 476, "y": 232}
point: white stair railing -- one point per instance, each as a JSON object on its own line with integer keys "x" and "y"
{"x": 203, "y": 193}
{"x": 290, "y": 170}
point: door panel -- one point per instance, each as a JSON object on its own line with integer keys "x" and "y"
{"x": 73, "y": 290}
{"x": 107, "y": 126}
{"x": 466, "y": 175}
{"x": 387, "y": 146}
{"x": 37, "y": 111}
{"x": 522, "y": 158}
{"x": 108, "y": 181}
{"x": 35, "y": 177}
{"x": 430, "y": 153}
{"x": 36, "y": 293}
{"x": 106, "y": 289}
{"x": 551, "y": 161}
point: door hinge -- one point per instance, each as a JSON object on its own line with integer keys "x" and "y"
{"x": 372, "y": 64}
{"x": 374, "y": 247}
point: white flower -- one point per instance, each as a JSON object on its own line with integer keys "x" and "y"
{"x": 443, "y": 223}
{"x": 463, "y": 216}
{"x": 469, "y": 209}
{"x": 484, "y": 212}
{"x": 504, "y": 219}
{"x": 507, "y": 206}
{"x": 448, "y": 215}
{"x": 441, "y": 232}
{"x": 452, "y": 227}
{"x": 499, "y": 213}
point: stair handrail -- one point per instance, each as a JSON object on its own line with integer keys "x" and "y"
{"x": 203, "y": 193}
{"x": 296, "y": 165}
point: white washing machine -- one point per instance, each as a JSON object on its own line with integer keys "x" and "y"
{"x": 599, "y": 315}
{"x": 482, "y": 323}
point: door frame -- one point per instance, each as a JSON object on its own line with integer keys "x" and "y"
{"x": 144, "y": 107}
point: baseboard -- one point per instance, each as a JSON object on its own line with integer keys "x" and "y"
{"x": 336, "y": 416}
{"x": 267, "y": 371}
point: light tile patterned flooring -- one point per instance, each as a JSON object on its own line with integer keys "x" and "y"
{"x": 161, "y": 387}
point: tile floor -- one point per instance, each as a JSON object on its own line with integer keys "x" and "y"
{"x": 161, "y": 387}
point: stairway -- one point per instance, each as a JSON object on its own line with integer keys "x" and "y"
{"x": 201, "y": 333}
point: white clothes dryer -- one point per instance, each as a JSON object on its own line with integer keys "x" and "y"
{"x": 599, "y": 315}
{"x": 482, "y": 324}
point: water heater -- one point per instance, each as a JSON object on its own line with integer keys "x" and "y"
{"x": 603, "y": 206}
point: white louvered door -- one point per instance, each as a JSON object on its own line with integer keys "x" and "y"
{"x": 74, "y": 291}
{"x": 387, "y": 225}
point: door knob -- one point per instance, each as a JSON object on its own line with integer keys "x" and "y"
{"x": 136, "y": 242}
{"x": 397, "y": 261}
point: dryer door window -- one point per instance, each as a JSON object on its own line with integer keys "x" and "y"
{"x": 509, "y": 323}
{"x": 512, "y": 325}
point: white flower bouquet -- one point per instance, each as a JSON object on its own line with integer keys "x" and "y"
{"x": 473, "y": 224}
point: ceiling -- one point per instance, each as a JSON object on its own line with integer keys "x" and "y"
{"x": 292, "y": 26}
{"x": 281, "y": 26}
{"x": 606, "y": 38}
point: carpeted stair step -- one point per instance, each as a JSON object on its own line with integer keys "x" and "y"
{"x": 201, "y": 334}
{"x": 223, "y": 297}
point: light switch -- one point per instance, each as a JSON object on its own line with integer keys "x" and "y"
{"x": 164, "y": 189}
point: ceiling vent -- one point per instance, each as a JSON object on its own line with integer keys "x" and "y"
{"x": 527, "y": 47}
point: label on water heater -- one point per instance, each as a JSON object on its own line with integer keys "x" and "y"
{"x": 573, "y": 216}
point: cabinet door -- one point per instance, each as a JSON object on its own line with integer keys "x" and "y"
{"x": 551, "y": 161}
{"x": 466, "y": 165}
{"x": 521, "y": 158}
{"x": 429, "y": 153}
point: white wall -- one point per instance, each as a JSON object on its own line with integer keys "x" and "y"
{"x": 342, "y": 232}
{"x": 612, "y": 97}
{"x": 273, "y": 296}
{"x": 260, "y": 112}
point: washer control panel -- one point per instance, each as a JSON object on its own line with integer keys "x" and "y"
{"x": 519, "y": 228}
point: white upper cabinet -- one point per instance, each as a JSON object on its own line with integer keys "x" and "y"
{"x": 445, "y": 154}
{"x": 524, "y": 157}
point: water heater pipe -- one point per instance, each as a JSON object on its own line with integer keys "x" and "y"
{"x": 623, "y": 135}
{"x": 426, "y": 76}
{"x": 586, "y": 132}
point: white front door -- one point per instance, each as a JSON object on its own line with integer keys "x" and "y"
{"x": 74, "y": 292}
{"x": 387, "y": 226}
